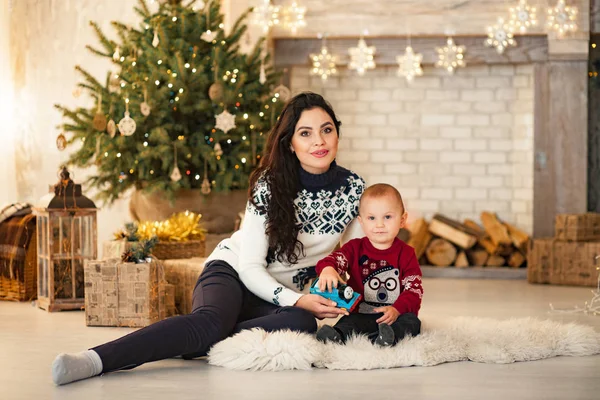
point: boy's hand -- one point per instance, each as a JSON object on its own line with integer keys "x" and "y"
{"x": 329, "y": 279}
{"x": 390, "y": 315}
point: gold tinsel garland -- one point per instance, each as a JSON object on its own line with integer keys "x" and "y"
{"x": 179, "y": 227}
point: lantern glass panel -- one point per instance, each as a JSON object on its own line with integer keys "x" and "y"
{"x": 63, "y": 279}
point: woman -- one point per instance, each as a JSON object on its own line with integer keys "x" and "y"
{"x": 300, "y": 204}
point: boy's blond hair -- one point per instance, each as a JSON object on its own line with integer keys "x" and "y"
{"x": 381, "y": 190}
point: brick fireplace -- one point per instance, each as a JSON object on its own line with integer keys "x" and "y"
{"x": 454, "y": 144}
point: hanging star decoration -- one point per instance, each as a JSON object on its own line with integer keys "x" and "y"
{"x": 522, "y": 17}
{"x": 265, "y": 15}
{"x": 225, "y": 121}
{"x": 361, "y": 57}
{"x": 500, "y": 36}
{"x": 409, "y": 64}
{"x": 451, "y": 56}
{"x": 562, "y": 18}
{"x": 323, "y": 64}
{"x": 293, "y": 17}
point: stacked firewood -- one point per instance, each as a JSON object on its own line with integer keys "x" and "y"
{"x": 444, "y": 242}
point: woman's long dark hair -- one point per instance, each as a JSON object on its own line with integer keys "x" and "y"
{"x": 279, "y": 166}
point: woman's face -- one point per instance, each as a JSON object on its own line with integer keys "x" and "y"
{"x": 315, "y": 141}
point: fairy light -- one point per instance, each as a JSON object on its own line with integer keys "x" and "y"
{"x": 157, "y": 82}
{"x": 181, "y": 90}
{"x": 591, "y": 307}
{"x": 118, "y": 154}
{"x": 187, "y": 65}
{"x": 145, "y": 144}
{"x": 159, "y": 62}
{"x": 170, "y": 85}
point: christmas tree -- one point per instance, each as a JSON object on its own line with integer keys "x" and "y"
{"x": 184, "y": 108}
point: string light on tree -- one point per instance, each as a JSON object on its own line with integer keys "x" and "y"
{"x": 293, "y": 17}
{"x": 522, "y": 17}
{"x": 265, "y": 15}
{"x": 562, "y": 18}
{"x": 225, "y": 121}
{"x": 450, "y": 56}
{"x": 500, "y": 36}
{"x": 361, "y": 57}
{"x": 323, "y": 63}
{"x": 409, "y": 64}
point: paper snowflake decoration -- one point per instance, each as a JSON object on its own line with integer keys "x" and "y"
{"x": 522, "y": 17}
{"x": 208, "y": 36}
{"x": 409, "y": 64}
{"x": 361, "y": 57}
{"x": 500, "y": 36}
{"x": 293, "y": 17}
{"x": 323, "y": 64}
{"x": 450, "y": 56}
{"x": 562, "y": 18}
{"x": 265, "y": 15}
{"x": 225, "y": 121}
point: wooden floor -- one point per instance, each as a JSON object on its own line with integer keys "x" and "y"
{"x": 30, "y": 339}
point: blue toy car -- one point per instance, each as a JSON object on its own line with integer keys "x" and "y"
{"x": 344, "y": 295}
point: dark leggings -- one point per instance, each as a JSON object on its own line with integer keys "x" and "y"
{"x": 222, "y": 306}
{"x": 365, "y": 324}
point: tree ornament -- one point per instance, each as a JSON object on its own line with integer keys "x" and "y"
{"x": 175, "y": 175}
{"x": 218, "y": 150}
{"x": 262, "y": 76}
{"x": 116, "y": 54}
{"x": 215, "y": 91}
{"x": 99, "y": 121}
{"x": 111, "y": 128}
{"x": 61, "y": 142}
{"x": 127, "y": 124}
{"x": 225, "y": 121}
{"x": 156, "y": 40}
{"x": 500, "y": 36}
{"x": 208, "y": 35}
{"x": 205, "y": 187}
{"x": 144, "y": 107}
{"x": 284, "y": 92}
{"x": 409, "y": 64}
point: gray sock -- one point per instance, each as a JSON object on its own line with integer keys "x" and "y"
{"x": 68, "y": 368}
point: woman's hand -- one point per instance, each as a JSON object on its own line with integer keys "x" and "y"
{"x": 319, "y": 306}
{"x": 329, "y": 278}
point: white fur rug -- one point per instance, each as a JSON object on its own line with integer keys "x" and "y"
{"x": 482, "y": 340}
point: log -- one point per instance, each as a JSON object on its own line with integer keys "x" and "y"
{"x": 519, "y": 238}
{"x": 441, "y": 253}
{"x": 419, "y": 236}
{"x": 516, "y": 259}
{"x": 495, "y": 261}
{"x": 453, "y": 231}
{"x": 485, "y": 241}
{"x": 478, "y": 257}
{"x": 497, "y": 231}
{"x": 461, "y": 260}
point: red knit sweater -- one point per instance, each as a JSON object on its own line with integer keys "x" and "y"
{"x": 383, "y": 277}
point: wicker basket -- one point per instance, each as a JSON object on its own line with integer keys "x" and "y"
{"x": 25, "y": 290}
{"x": 577, "y": 227}
{"x": 178, "y": 250}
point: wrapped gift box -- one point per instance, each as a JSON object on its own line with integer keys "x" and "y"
{"x": 126, "y": 294}
{"x": 577, "y": 227}
{"x": 562, "y": 263}
{"x": 183, "y": 274}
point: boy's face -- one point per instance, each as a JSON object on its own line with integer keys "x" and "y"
{"x": 381, "y": 219}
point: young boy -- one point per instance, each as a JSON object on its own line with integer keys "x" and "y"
{"x": 382, "y": 268}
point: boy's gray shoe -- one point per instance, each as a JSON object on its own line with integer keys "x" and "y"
{"x": 386, "y": 336}
{"x": 329, "y": 334}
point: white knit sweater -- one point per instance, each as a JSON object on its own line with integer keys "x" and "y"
{"x": 326, "y": 206}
